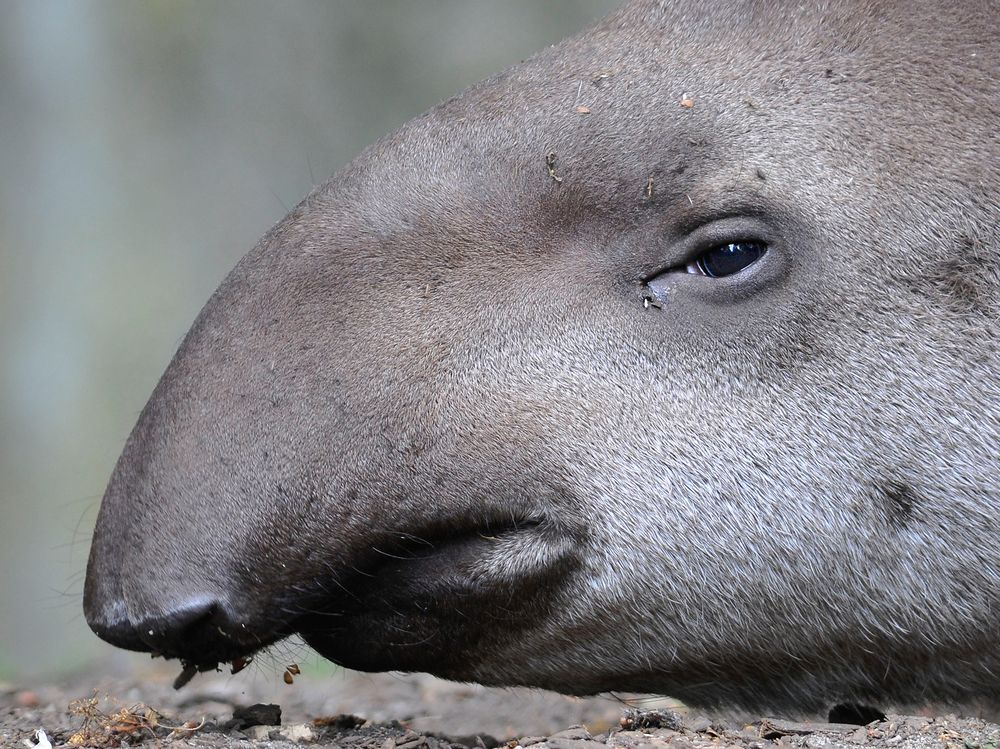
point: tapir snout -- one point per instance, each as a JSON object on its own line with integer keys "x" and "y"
{"x": 292, "y": 471}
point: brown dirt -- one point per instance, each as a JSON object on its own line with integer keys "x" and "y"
{"x": 418, "y": 712}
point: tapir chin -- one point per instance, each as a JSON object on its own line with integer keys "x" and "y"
{"x": 665, "y": 361}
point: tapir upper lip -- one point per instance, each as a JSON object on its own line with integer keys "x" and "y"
{"x": 211, "y": 633}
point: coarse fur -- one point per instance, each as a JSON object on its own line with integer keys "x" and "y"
{"x": 464, "y": 411}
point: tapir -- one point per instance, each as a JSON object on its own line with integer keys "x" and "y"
{"x": 665, "y": 361}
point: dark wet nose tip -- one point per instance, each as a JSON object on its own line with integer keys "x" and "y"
{"x": 197, "y": 629}
{"x": 194, "y": 626}
{"x": 112, "y": 625}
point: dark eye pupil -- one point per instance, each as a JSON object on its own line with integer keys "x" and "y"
{"x": 727, "y": 259}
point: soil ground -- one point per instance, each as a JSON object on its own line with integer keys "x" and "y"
{"x": 361, "y": 711}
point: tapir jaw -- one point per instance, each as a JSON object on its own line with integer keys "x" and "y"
{"x": 413, "y": 599}
{"x": 431, "y": 599}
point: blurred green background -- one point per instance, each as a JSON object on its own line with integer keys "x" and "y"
{"x": 144, "y": 147}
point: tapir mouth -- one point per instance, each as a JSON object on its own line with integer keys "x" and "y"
{"x": 429, "y": 595}
{"x": 407, "y": 601}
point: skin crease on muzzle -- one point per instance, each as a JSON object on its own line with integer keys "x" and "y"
{"x": 478, "y": 407}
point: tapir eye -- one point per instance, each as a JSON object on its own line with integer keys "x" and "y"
{"x": 727, "y": 259}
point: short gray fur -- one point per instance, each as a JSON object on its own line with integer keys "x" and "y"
{"x": 463, "y": 410}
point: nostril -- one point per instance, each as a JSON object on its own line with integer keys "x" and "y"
{"x": 201, "y": 631}
{"x": 196, "y": 626}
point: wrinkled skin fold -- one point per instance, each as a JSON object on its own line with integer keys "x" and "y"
{"x": 475, "y": 408}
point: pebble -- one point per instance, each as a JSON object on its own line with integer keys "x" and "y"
{"x": 667, "y": 734}
{"x": 573, "y": 732}
{"x": 297, "y": 732}
{"x": 411, "y": 743}
{"x": 700, "y": 724}
{"x": 259, "y": 732}
{"x": 26, "y": 698}
{"x": 859, "y": 736}
{"x": 556, "y": 742}
{"x": 256, "y": 715}
{"x": 681, "y": 743}
{"x": 842, "y": 728}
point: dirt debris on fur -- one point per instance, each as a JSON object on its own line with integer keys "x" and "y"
{"x": 105, "y": 721}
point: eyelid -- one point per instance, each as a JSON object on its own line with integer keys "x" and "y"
{"x": 686, "y": 250}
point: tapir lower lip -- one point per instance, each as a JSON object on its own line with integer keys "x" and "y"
{"x": 411, "y": 574}
{"x": 412, "y": 612}
{"x": 404, "y": 567}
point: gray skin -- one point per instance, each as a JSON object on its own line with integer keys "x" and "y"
{"x": 471, "y": 409}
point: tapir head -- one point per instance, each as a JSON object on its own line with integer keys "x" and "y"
{"x": 665, "y": 361}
